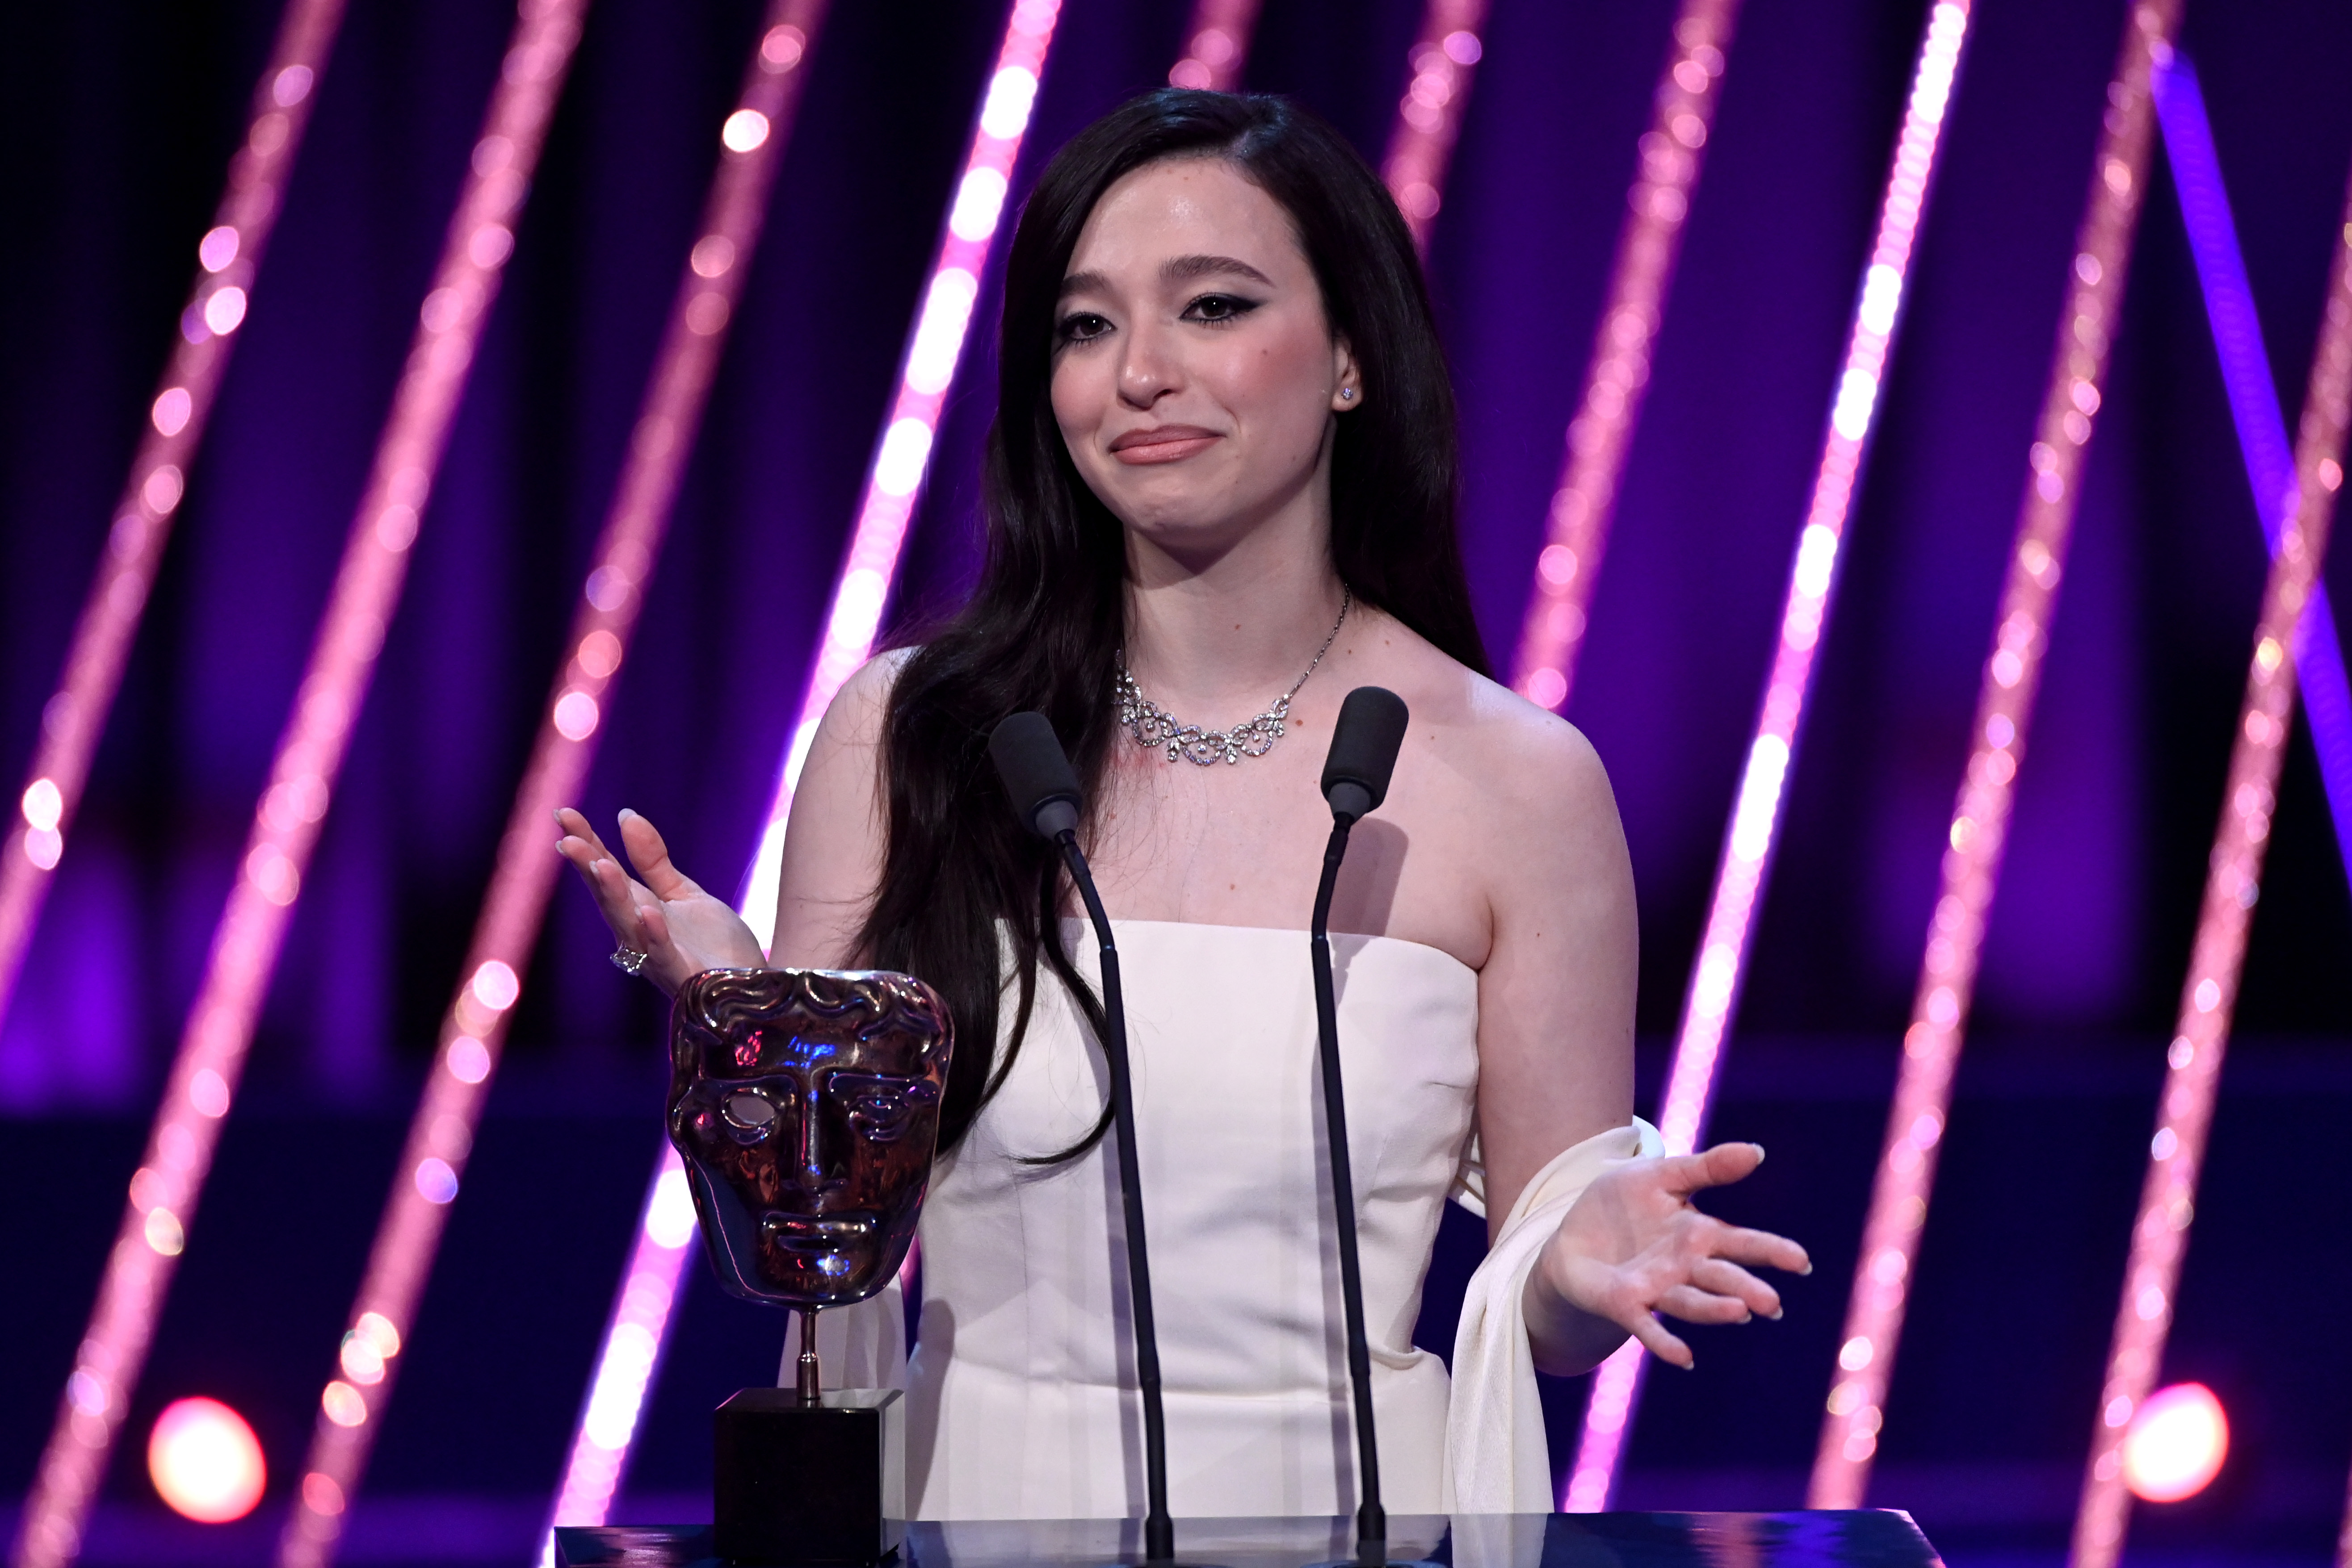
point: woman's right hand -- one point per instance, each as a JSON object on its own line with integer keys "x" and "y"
{"x": 681, "y": 930}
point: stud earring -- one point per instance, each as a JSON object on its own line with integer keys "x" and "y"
{"x": 1346, "y": 394}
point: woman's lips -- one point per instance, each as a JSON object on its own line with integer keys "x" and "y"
{"x": 1169, "y": 444}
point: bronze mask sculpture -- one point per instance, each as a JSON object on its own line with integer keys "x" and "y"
{"x": 806, "y": 1104}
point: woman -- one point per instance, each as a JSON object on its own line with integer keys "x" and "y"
{"x": 1224, "y": 456}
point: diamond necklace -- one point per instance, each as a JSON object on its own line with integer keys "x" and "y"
{"x": 1256, "y": 737}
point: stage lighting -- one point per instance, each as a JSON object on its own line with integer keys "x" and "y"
{"x": 205, "y": 1461}
{"x": 2177, "y": 1443}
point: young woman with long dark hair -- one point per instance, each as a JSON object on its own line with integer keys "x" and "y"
{"x": 1221, "y": 483}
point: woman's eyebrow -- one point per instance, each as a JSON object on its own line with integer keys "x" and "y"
{"x": 1178, "y": 267}
{"x": 1175, "y": 269}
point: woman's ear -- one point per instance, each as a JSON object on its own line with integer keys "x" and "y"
{"x": 1347, "y": 380}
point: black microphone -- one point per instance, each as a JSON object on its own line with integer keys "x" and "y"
{"x": 1364, "y": 746}
{"x": 1046, "y": 797}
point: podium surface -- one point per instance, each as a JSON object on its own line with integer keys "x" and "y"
{"x": 1863, "y": 1538}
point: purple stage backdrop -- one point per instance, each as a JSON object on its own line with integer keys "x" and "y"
{"x": 118, "y": 119}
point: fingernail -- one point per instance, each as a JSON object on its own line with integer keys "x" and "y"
{"x": 1808, "y": 1269}
{"x": 1778, "y": 1313}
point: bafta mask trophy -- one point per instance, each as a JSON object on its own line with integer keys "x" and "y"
{"x": 806, "y": 1104}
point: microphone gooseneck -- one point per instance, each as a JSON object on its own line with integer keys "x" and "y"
{"x": 1364, "y": 745}
{"x": 1046, "y": 796}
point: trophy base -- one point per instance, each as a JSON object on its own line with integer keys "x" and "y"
{"x": 809, "y": 1485}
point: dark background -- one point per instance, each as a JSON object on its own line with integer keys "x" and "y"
{"x": 116, "y": 120}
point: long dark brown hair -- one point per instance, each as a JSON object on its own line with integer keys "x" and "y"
{"x": 1047, "y": 616}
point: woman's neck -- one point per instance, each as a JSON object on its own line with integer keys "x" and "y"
{"x": 1233, "y": 632}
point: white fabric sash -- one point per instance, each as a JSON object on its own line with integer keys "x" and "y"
{"x": 1496, "y": 1457}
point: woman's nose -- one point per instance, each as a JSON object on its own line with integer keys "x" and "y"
{"x": 1147, "y": 371}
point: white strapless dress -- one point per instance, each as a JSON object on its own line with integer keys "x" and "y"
{"x": 1022, "y": 1400}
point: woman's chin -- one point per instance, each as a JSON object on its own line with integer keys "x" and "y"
{"x": 1192, "y": 534}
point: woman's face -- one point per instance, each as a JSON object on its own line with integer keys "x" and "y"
{"x": 1195, "y": 377}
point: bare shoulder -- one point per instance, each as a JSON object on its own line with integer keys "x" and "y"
{"x": 1511, "y": 799}
{"x": 832, "y": 849}
{"x": 1524, "y": 765}
{"x": 1528, "y": 752}
{"x": 855, "y": 715}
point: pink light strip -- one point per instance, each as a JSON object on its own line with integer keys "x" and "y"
{"x": 1756, "y": 818}
{"x": 1618, "y": 375}
{"x": 1979, "y": 827}
{"x": 353, "y": 1404}
{"x": 635, "y": 1337}
{"x": 228, "y": 258}
{"x": 211, "y": 1053}
{"x": 1429, "y": 116}
{"x": 903, "y": 456}
{"x": 1216, "y": 42}
{"x": 2210, "y": 994}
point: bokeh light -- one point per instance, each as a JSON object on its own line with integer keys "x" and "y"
{"x": 205, "y": 1461}
{"x": 2177, "y": 1443}
{"x": 745, "y": 129}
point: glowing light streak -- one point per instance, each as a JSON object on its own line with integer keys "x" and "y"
{"x": 1618, "y": 377}
{"x": 1429, "y": 116}
{"x": 2234, "y": 882}
{"x": 2255, "y": 409}
{"x": 1755, "y": 822}
{"x": 441, "y": 1133}
{"x": 310, "y": 752}
{"x": 635, "y": 1336}
{"x": 229, "y": 258}
{"x": 902, "y": 456}
{"x": 1216, "y": 45}
{"x": 1980, "y": 825}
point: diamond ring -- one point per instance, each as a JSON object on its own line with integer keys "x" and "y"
{"x": 628, "y": 960}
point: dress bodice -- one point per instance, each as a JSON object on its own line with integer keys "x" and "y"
{"x": 1021, "y": 1387}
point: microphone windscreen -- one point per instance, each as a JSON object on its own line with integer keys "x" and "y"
{"x": 1036, "y": 772}
{"x": 1365, "y": 742}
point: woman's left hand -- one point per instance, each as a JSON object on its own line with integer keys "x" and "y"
{"x": 1633, "y": 1246}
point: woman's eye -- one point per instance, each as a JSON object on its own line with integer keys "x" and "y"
{"x": 1082, "y": 327}
{"x": 1218, "y": 308}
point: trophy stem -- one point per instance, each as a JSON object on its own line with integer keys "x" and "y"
{"x": 810, "y": 1387}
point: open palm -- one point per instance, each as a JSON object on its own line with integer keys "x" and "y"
{"x": 1634, "y": 1245}
{"x": 667, "y": 916}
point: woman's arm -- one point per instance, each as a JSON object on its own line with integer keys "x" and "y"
{"x": 1556, "y": 992}
{"x": 835, "y": 838}
{"x": 1555, "y": 1066}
